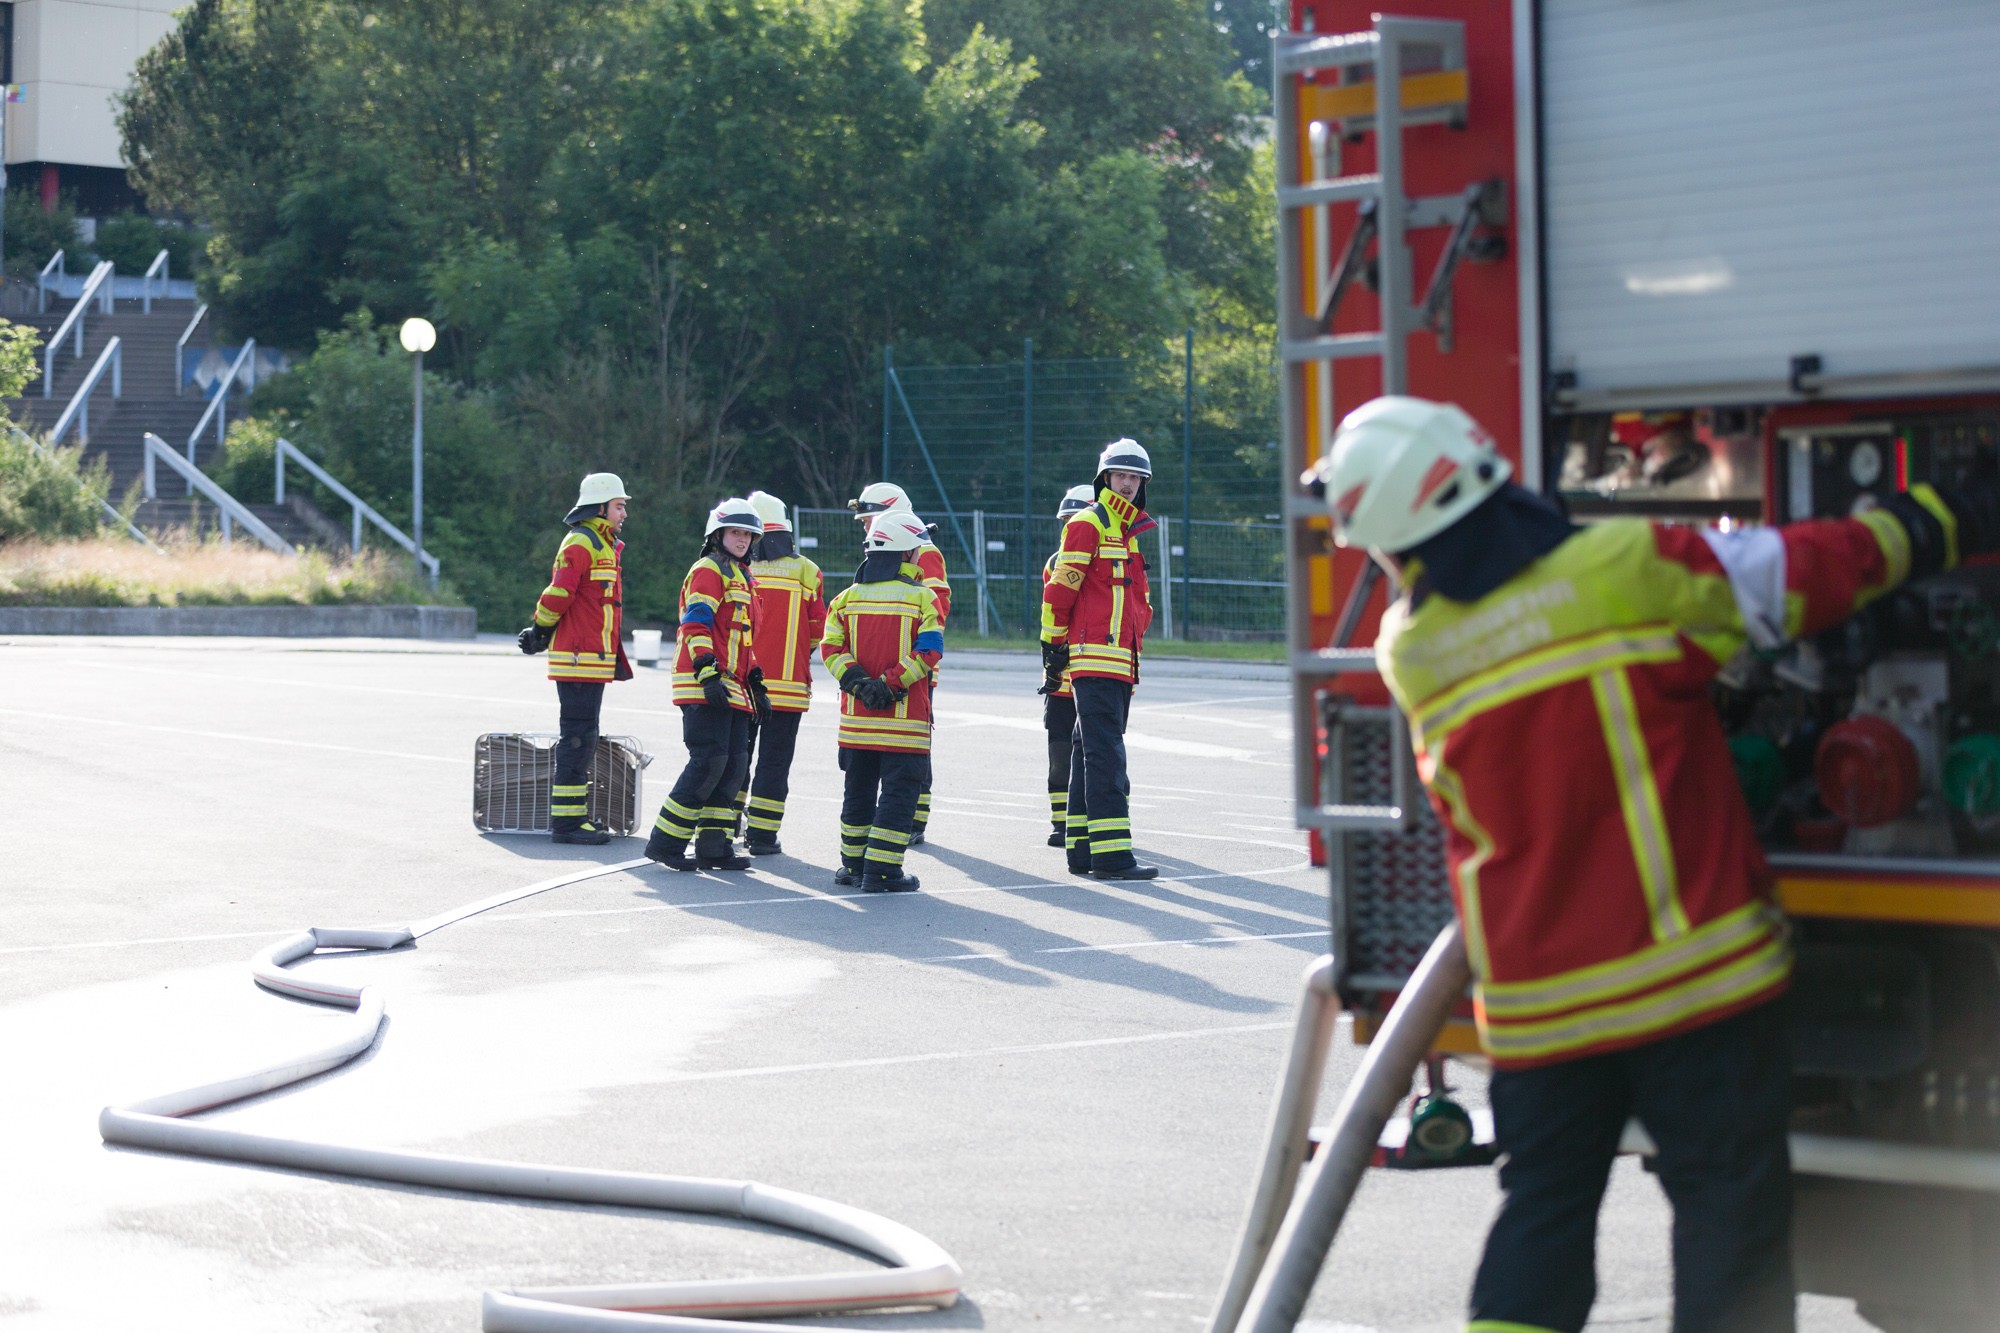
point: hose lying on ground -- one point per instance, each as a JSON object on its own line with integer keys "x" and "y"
{"x": 920, "y": 1272}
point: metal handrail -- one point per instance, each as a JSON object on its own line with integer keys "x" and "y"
{"x": 180, "y": 347}
{"x": 361, "y": 508}
{"x": 231, "y": 508}
{"x": 78, "y": 411}
{"x": 97, "y": 288}
{"x": 216, "y": 404}
{"x": 59, "y": 261}
{"x": 164, "y": 268}
{"x": 110, "y": 510}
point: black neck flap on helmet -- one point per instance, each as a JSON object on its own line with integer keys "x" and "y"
{"x": 880, "y": 567}
{"x": 583, "y": 514}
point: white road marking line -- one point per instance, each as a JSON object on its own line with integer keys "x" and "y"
{"x": 1276, "y": 696}
{"x": 1205, "y": 791}
{"x": 984, "y": 1053}
{"x": 232, "y": 736}
{"x": 1120, "y": 948}
{"x": 806, "y": 894}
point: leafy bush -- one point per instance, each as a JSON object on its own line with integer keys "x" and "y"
{"x": 133, "y": 240}
{"x": 197, "y": 571}
{"x": 48, "y": 494}
{"x": 34, "y": 234}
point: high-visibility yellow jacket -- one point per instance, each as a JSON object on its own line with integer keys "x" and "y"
{"x": 1097, "y": 601}
{"x": 1602, "y": 858}
{"x": 791, "y": 616}
{"x": 1062, "y": 689}
{"x": 718, "y": 607}
{"x": 584, "y": 602}
{"x": 889, "y": 629}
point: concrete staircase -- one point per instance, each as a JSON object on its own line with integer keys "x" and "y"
{"x": 119, "y": 425}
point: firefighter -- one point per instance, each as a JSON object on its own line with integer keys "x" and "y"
{"x": 719, "y": 689}
{"x": 883, "y": 638}
{"x": 1617, "y": 910}
{"x": 1058, "y": 704}
{"x": 1095, "y": 612}
{"x": 579, "y": 620}
{"x": 926, "y": 566}
{"x": 791, "y": 616}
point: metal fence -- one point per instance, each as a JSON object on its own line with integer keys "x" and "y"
{"x": 976, "y": 445}
{"x": 1210, "y": 579}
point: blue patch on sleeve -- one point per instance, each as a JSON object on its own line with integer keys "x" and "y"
{"x": 930, "y": 641}
{"x": 698, "y": 615}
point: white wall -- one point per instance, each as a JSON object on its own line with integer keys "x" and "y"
{"x": 71, "y": 57}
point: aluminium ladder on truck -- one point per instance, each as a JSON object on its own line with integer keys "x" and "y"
{"x": 1294, "y": 1214}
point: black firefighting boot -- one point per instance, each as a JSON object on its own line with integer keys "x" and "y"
{"x": 669, "y": 851}
{"x": 586, "y": 833}
{"x": 898, "y": 882}
{"x": 714, "y": 851}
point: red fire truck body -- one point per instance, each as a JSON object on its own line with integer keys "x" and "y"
{"x": 1702, "y": 262}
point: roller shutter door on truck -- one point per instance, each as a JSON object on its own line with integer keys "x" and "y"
{"x": 1728, "y": 186}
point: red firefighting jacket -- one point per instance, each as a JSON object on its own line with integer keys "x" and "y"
{"x": 928, "y": 569}
{"x": 1063, "y": 691}
{"x": 891, "y": 630}
{"x": 791, "y": 617}
{"x": 717, "y": 606}
{"x": 1602, "y": 858}
{"x": 1097, "y": 601}
{"x": 585, "y": 602}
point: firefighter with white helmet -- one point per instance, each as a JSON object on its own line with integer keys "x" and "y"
{"x": 719, "y": 688}
{"x": 926, "y": 566}
{"x": 883, "y": 639}
{"x": 1096, "y": 610}
{"x": 1058, "y": 704}
{"x": 791, "y": 616}
{"x": 1617, "y": 910}
{"x": 579, "y": 620}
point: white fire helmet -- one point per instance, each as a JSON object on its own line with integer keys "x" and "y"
{"x": 735, "y": 512}
{"x": 600, "y": 488}
{"x": 1125, "y": 456}
{"x": 881, "y": 497}
{"x": 1402, "y": 470}
{"x": 895, "y": 530}
{"x": 772, "y": 510}
{"x": 1074, "y": 499}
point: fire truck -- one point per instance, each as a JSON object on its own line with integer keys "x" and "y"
{"x": 1707, "y": 262}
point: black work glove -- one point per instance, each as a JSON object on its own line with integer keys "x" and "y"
{"x": 535, "y": 638}
{"x": 875, "y": 693}
{"x": 760, "y": 696}
{"x": 852, "y": 677}
{"x": 713, "y": 691}
{"x": 1975, "y": 513}
{"x": 1055, "y": 658}
{"x": 755, "y": 676}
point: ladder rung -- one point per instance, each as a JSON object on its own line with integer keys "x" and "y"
{"x": 1339, "y": 347}
{"x": 1332, "y": 818}
{"x": 1341, "y": 191}
{"x": 1322, "y": 662}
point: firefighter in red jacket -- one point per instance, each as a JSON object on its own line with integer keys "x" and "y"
{"x": 883, "y": 638}
{"x": 791, "y": 617}
{"x": 579, "y": 620}
{"x": 719, "y": 689}
{"x": 1058, "y": 703}
{"x": 1095, "y": 614}
{"x": 1616, "y": 908}
{"x": 926, "y": 566}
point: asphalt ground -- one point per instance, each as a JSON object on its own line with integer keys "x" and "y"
{"x": 1064, "y": 1083}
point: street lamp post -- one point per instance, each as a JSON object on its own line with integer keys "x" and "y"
{"x": 418, "y": 336}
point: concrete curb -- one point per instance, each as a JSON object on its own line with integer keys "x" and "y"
{"x": 286, "y": 622}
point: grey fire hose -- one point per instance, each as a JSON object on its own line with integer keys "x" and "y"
{"x": 920, "y": 1273}
{"x": 1275, "y": 1265}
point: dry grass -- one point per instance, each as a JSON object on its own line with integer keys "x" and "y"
{"x": 116, "y": 571}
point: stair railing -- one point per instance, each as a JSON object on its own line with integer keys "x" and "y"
{"x": 59, "y": 265}
{"x": 161, "y": 267}
{"x": 97, "y": 289}
{"x": 218, "y": 404}
{"x": 180, "y": 347}
{"x": 78, "y": 412}
{"x": 231, "y": 509}
{"x": 361, "y": 508}
{"x": 110, "y": 511}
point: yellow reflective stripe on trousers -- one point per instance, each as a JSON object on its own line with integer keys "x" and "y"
{"x": 1710, "y": 991}
{"x": 1639, "y": 795}
{"x": 1452, "y": 792}
{"x": 1634, "y": 972}
{"x": 1543, "y": 669}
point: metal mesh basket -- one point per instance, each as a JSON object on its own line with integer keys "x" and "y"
{"x": 1397, "y": 894}
{"x": 512, "y": 772}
